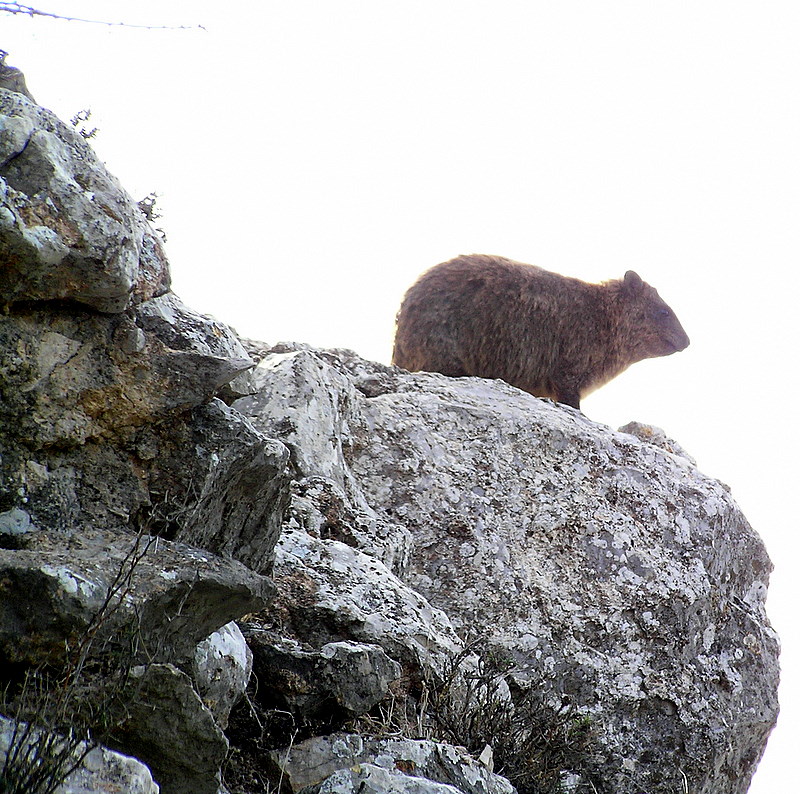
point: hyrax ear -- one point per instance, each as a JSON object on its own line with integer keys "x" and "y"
{"x": 633, "y": 283}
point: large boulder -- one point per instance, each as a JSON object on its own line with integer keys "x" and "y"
{"x": 608, "y": 570}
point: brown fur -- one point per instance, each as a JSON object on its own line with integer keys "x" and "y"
{"x": 548, "y": 334}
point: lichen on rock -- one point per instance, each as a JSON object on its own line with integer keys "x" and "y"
{"x": 596, "y": 561}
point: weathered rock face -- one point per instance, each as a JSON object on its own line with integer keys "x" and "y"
{"x": 330, "y": 592}
{"x": 67, "y": 229}
{"x": 107, "y": 418}
{"x": 609, "y": 570}
{"x": 221, "y": 670}
{"x": 173, "y": 596}
{"x": 112, "y": 431}
{"x": 384, "y": 765}
{"x": 170, "y": 729}
{"x": 156, "y": 601}
{"x": 398, "y": 514}
{"x": 328, "y": 687}
{"x": 12, "y": 78}
{"x": 319, "y": 427}
{"x": 102, "y": 770}
{"x": 614, "y": 569}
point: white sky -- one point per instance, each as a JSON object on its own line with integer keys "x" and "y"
{"x": 314, "y": 157}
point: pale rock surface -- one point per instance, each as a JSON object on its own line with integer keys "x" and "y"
{"x": 107, "y": 418}
{"x": 106, "y": 772}
{"x": 234, "y": 482}
{"x": 656, "y": 436}
{"x": 181, "y": 329}
{"x": 330, "y": 592}
{"x": 12, "y": 78}
{"x": 313, "y": 409}
{"x": 371, "y": 779}
{"x": 110, "y": 421}
{"x": 319, "y": 506}
{"x": 102, "y": 771}
{"x": 610, "y": 570}
{"x": 221, "y": 669}
{"x": 316, "y": 761}
{"x": 171, "y": 597}
{"x": 306, "y": 403}
{"x": 67, "y": 228}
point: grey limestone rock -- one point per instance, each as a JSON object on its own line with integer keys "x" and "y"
{"x": 235, "y": 482}
{"x": 68, "y": 231}
{"x": 312, "y": 408}
{"x": 306, "y": 403}
{"x": 72, "y": 377}
{"x": 607, "y": 568}
{"x": 321, "y": 508}
{"x": 104, "y": 770}
{"x": 372, "y": 779}
{"x": 603, "y": 565}
{"x": 109, "y": 420}
{"x": 102, "y": 422}
{"x": 181, "y": 329}
{"x": 12, "y": 78}
{"x": 655, "y": 435}
{"x": 323, "y": 763}
{"x": 169, "y": 595}
{"x": 101, "y": 770}
{"x": 330, "y": 592}
{"x": 169, "y": 728}
{"x": 221, "y": 669}
{"x": 128, "y": 490}
{"x": 328, "y": 686}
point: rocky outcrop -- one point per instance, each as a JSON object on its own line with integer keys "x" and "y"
{"x": 221, "y": 670}
{"x": 12, "y": 79}
{"x": 609, "y": 570}
{"x": 106, "y": 424}
{"x": 327, "y": 687}
{"x": 411, "y": 558}
{"x": 131, "y": 495}
{"x": 106, "y": 409}
{"x": 103, "y": 770}
{"x": 168, "y": 726}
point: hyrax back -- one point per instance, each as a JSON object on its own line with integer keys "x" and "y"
{"x": 548, "y": 334}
